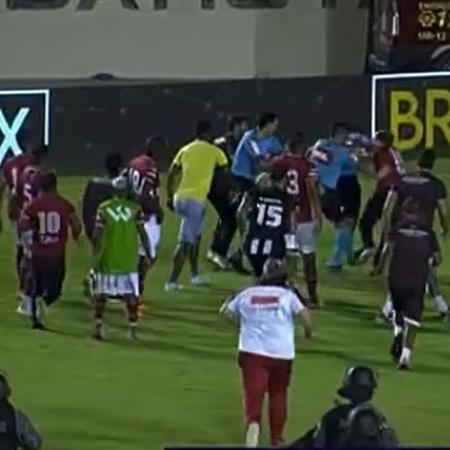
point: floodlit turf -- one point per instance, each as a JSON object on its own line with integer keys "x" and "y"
{"x": 180, "y": 383}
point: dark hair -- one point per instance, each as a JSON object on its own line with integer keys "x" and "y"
{"x": 40, "y": 150}
{"x": 154, "y": 144}
{"x": 266, "y": 118}
{"x": 203, "y": 128}
{"x": 113, "y": 164}
{"x": 236, "y": 121}
{"x": 339, "y": 126}
{"x": 297, "y": 142}
{"x": 48, "y": 181}
{"x": 384, "y": 136}
{"x": 427, "y": 160}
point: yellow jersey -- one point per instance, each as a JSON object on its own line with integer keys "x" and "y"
{"x": 197, "y": 161}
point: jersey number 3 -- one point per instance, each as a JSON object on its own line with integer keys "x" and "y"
{"x": 269, "y": 215}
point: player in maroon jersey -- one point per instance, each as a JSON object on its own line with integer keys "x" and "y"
{"x": 144, "y": 176}
{"x": 12, "y": 174}
{"x": 306, "y": 210}
{"x": 389, "y": 167}
{"x": 47, "y": 218}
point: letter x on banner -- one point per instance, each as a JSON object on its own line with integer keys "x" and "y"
{"x": 25, "y": 110}
{"x": 415, "y": 107}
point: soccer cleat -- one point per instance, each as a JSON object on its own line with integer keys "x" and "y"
{"x": 171, "y": 286}
{"x": 220, "y": 262}
{"x": 366, "y": 255}
{"x": 37, "y": 325}
{"x": 132, "y": 333}
{"x": 396, "y": 347}
{"x": 404, "y": 365}
{"x": 252, "y": 435}
{"x": 199, "y": 280}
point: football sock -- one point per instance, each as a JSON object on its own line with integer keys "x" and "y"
{"x": 441, "y": 305}
{"x": 406, "y": 355}
{"x": 387, "y": 308}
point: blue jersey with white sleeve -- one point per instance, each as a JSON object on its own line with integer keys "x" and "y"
{"x": 331, "y": 161}
{"x": 250, "y": 150}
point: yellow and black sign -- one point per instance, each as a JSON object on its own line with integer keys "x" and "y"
{"x": 416, "y": 109}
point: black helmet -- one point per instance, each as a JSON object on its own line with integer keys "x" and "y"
{"x": 358, "y": 384}
{"x": 274, "y": 270}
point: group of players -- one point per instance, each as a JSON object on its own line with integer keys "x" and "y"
{"x": 274, "y": 195}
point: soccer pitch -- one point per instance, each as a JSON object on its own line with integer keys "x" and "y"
{"x": 180, "y": 383}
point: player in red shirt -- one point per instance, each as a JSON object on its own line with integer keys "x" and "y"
{"x": 306, "y": 210}
{"x": 48, "y": 218}
{"x": 12, "y": 174}
{"x": 144, "y": 176}
{"x": 389, "y": 167}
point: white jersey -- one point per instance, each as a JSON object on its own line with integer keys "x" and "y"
{"x": 267, "y": 320}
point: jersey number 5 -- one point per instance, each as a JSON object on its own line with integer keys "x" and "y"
{"x": 269, "y": 215}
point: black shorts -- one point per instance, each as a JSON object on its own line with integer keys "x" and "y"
{"x": 342, "y": 202}
{"x": 48, "y": 276}
{"x": 257, "y": 256}
{"x": 407, "y": 300}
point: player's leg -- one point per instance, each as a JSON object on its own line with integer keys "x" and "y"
{"x": 53, "y": 279}
{"x": 104, "y": 288}
{"x": 350, "y": 195}
{"x": 398, "y": 300}
{"x": 253, "y": 251}
{"x": 279, "y": 377}
{"x": 196, "y": 222}
{"x": 183, "y": 248}
{"x": 435, "y": 292}
{"x": 371, "y": 214}
{"x": 293, "y": 258}
{"x": 129, "y": 288}
{"x": 37, "y": 291}
{"x": 306, "y": 239}
{"x": 413, "y": 316}
{"x": 255, "y": 378}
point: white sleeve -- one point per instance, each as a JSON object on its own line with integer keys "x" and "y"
{"x": 233, "y": 306}
{"x": 295, "y": 303}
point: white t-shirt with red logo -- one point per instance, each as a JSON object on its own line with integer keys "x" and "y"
{"x": 267, "y": 320}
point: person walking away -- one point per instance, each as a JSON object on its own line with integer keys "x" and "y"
{"x": 411, "y": 250}
{"x": 430, "y": 193}
{"x": 119, "y": 231}
{"x": 16, "y": 429}
{"x": 188, "y": 183}
{"x": 266, "y": 315}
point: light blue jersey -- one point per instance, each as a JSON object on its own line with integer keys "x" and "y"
{"x": 332, "y": 161}
{"x": 250, "y": 150}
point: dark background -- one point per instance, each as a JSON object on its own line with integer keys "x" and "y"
{"x": 88, "y": 122}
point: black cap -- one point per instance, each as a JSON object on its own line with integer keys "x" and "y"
{"x": 359, "y": 383}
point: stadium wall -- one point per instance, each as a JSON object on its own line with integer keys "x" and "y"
{"x": 182, "y": 42}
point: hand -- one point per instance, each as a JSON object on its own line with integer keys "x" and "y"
{"x": 170, "y": 203}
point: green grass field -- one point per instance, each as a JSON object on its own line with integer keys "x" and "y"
{"x": 180, "y": 384}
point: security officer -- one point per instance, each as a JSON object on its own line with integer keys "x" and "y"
{"x": 16, "y": 429}
{"x": 338, "y": 423}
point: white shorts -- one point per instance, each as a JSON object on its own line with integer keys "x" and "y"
{"x": 306, "y": 237}
{"x": 153, "y": 229}
{"x": 291, "y": 243}
{"x": 113, "y": 285}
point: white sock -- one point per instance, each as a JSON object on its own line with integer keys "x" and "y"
{"x": 441, "y": 304}
{"x": 397, "y": 329}
{"x": 26, "y": 302}
{"x": 406, "y": 355}
{"x": 387, "y": 308}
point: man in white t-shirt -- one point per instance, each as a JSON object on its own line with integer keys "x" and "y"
{"x": 266, "y": 314}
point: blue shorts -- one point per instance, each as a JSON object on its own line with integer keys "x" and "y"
{"x": 192, "y": 215}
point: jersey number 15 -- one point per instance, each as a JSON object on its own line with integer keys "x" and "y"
{"x": 269, "y": 215}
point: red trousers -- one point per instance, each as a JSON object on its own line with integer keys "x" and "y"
{"x": 261, "y": 375}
